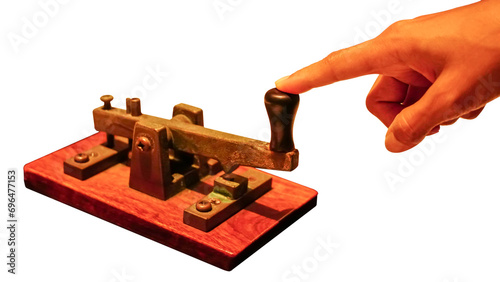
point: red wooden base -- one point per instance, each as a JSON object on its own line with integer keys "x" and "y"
{"x": 107, "y": 196}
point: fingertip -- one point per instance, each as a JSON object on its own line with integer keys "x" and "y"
{"x": 282, "y": 85}
{"x": 290, "y": 84}
{"x": 394, "y": 145}
{"x": 279, "y": 81}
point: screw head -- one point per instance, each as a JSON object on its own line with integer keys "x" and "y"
{"x": 204, "y": 206}
{"x": 81, "y": 158}
{"x": 107, "y": 101}
{"x": 143, "y": 143}
{"x": 107, "y": 98}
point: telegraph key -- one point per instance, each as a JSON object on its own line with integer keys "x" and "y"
{"x": 174, "y": 181}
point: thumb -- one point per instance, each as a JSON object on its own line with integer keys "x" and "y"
{"x": 413, "y": 123}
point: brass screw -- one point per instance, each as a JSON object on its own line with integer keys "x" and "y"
{"x": 81, "y": 158}
{"x": 204, "y": 206}
{"x": 143, "y": 143}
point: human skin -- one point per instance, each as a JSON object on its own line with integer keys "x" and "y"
{"x": 432, "y": 70}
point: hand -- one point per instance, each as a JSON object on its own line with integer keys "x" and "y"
{"x": 432, "y": 70}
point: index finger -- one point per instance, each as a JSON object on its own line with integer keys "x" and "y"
{"x": 366, "y": 58}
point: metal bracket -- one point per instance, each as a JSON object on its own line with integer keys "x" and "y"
{"x": 150, "y": 165}
{"x": 89, "y": 163}
{"x": 220, "y": 205}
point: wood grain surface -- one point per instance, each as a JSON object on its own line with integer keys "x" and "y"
{"x": 107, "y": 196}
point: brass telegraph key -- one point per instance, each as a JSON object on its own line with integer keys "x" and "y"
{"x": 180, "y": 183}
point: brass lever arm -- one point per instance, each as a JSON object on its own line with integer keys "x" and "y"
{"x": 231, "y": 150}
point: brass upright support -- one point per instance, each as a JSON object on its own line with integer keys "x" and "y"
{"x": 150, "y": 165}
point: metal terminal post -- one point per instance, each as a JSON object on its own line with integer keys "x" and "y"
{"x": 135, "y": 107}
{"x": 107, "y": 101}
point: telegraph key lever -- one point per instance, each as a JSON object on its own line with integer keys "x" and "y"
{"x": 187, "y": 134}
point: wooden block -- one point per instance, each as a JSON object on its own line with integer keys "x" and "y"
{"x": 107, "y": 196}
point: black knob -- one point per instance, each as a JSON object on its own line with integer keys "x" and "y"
{"x": 281, "y": 108}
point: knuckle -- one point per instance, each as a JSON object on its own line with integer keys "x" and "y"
{"x": 449, "y": 122}
{"x": 473, "y": 114}
{"x": 457, "y": 104}
{"x": 398, "y": 27}
{"x": 448, "y": 103}
{"x": 371, "y": 104}
{"x": 399, "y": 39}
{"x": 469, "y": 116}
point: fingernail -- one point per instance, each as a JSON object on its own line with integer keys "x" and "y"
{"x": 393, "y": 145}
{"x": 281, "y": 80}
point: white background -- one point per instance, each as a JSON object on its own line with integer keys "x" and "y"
{"x": 439, "y": 223}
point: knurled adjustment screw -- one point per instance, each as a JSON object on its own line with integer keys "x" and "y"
{"x": 204, "y": 206}
{"x": 143, "y": 143}
{"x": 81, "y": 158}
{"x": 107, "y": 101}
